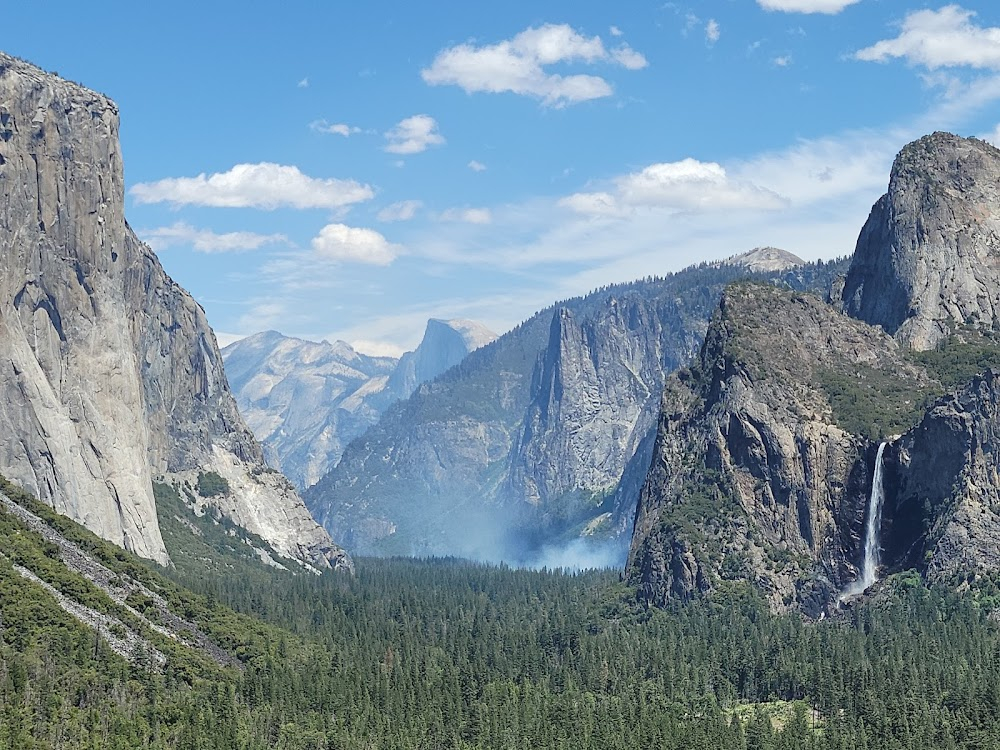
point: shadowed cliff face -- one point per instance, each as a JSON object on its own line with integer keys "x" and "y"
{"x": 928, "y": 258}
{"x": 109, "y": 372}
{"x": 947, "y": 503}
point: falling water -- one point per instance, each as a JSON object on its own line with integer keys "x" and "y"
{"x": 869, "y": 565}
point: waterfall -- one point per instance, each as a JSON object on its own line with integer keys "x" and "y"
{"x": 869, "y": 565}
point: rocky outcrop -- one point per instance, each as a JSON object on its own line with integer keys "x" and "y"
{"x": 754, "y": 476}
{"x": 766, "y": 260}
{"x": 532, "y": 440}
{"x": 109, "y": 371}
{"x": 928, "y": 258}
{"x": 305, "y": 401}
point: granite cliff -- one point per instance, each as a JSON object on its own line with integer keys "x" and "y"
{"x": 927, "y": 258}
{"x": 110, "y": 374}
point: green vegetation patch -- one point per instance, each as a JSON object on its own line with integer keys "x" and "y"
{"x": 957, "y": 360}
{"x": 874, "y": 402}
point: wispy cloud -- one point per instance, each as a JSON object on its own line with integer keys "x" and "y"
{"x": 467, "y": 215}
{"x": 340, "y": 242}
{"x": 207, "y": 241}
{"x": 477, "y": 166}
{"x": 806, "y": 6}
{"x": 304, "y": 83}
{"x": 783, "y": 61}
{"x": 264, "y": 185}
{"x": 712, "y": 31}
{"x": 334, "y": 128}
{"x": 413, "y": 135}
{"x": 400, "y": 211}
{"x": 940, "y": 39}
{"x": 519, "y": 65}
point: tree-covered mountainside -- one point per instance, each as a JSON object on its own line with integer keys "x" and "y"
{"x": 445, "y": 653}
{"x": 525, "y": 443}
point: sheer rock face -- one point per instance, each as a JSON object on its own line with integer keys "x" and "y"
{"x": 444, "y": 345}
{"x": 751, "y": 478}
{"x": 597, "y": 389}
{"x": 109, "y": 371}
{"x": 928, "y": 258}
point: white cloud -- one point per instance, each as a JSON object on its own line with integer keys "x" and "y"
{"x": 939, "y": 39}
{"x": 712, "y": 31}
{"x": 467, "y": 215}
{"x": 207, "y": 241}
{"x": 413, "y": 135}
{"x": 806, "y": 6}
{"x": 687, "y": 185}
{"x": 477, "y": 166}
{"x": 401, "y": 211}
{"x": 783, "y": 61}
{"x": 518, "y": 65}
{"x": 343, "y": 243}
{"x": 334, "y": 128}
{"x": 993, "y": 137}
{"x": 304, "y": 83}
{"x": 628, "y": 58}
{"x": 615, "y": 31}
{"x": 263, "y": 185}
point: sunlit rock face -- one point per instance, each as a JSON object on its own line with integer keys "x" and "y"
{"x": 928, "y": 258}
{"x": 110, "y": 374}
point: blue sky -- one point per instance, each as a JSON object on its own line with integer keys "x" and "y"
{"x": 348, "y": 170}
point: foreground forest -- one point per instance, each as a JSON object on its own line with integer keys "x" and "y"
{"x": 449, "y": 654}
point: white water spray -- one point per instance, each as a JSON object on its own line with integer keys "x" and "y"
{"x": 870, "y": 563}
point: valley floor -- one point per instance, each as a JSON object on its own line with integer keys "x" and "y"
{"x": 449, "y": 654}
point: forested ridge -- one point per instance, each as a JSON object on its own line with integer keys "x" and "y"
{"x": 445, "y": 653}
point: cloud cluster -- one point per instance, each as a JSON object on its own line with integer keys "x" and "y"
{"x": 264, "y": 185}
{"x": 518, "y": 65}
{"x": 207, "y": 241}
{"x": 687, "y": 185}
{"x": 413, "y": 135}
{"x": 829, "y": 7}
{"x": 940, "y": 39}
{"x": 340, "y": 242}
